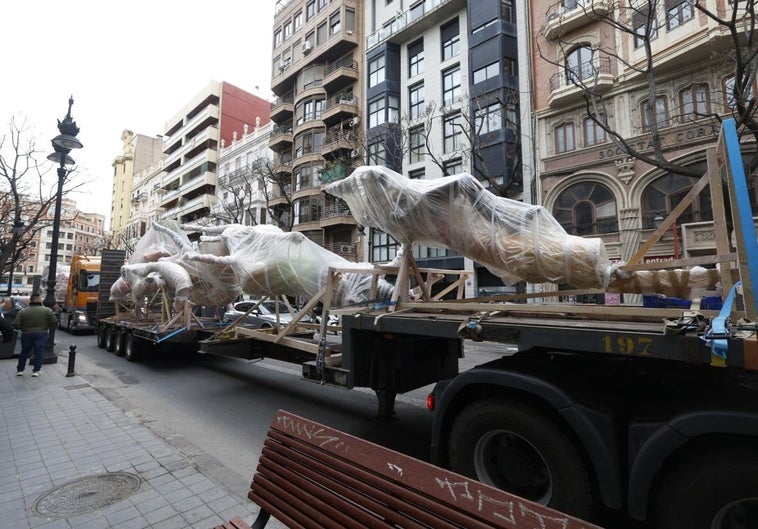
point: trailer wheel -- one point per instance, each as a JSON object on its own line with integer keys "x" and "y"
{"x": 118, "y": 344}
{"x": 515, "y": 447}
{"x": 713, "y": 491}
{"x": 110, "y": 339}
{"x": 101, "y": 331}
{"x": 133, "y": 347}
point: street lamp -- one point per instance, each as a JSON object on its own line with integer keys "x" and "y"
{"x": 63, "y": 143}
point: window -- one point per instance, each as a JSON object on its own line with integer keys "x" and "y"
{"x": 321, "y": 33}
{"x": 664, "y": 194}
{"x": 452, "y": 133}
{"x": 744, "y": 92}
{"x": 310, "y": 10}
{"x": 277, "y": 38}
{"x": 593, "y": 132}
{"x": 451, "y": 86}
{"x": 334, "y": 23}
{"x": 451, "y": 40}
{"x": 510, "y": 66}
{"x": 416, "y": 100}
{"x": 677, "y": 13}
{"x": 417, "y": 174}
{"x": 488, "y": 119}
{"x": 417, "y": 11}
{"x": 415, "y": 58}
{"x": 564, "y": 137}
{"x": 656, "y": 113}
{"x": 506, "y": 7}
{"x": 416, "y": 144}
{"x": 376, "y": 153}
{"x": 586, "y": 208}
{"x": 486, "y": 72}
{"x": 297, "y": 20}
{"x": 383, "y": 246}
{"x": 484, "y": 26}
{"x": 287, "y": 30}
{"x": 376, "y": 71}
{"x": 579, "y": 65}
{"x": 322, "y": 4}
{"x": 695, "y": 102}
{"x": 376, "y": 112}
{"x": 393, "y": 109}
{"x": 645, "y": 26}
{"x": 453, "y": 167}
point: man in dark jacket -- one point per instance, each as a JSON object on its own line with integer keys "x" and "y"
{"x": 34, "y": 322}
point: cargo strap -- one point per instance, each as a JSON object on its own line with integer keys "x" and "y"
{"x": 716, "y": 335}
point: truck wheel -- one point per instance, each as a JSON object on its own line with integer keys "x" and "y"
{"x": 118, "y": 344}
{"x": 110, "y": 339}
{"x": 515, "y": 447}
{"x": 132, "y": 347}
{"x": 713, "y": 491}
{"x": 101, "y": 330}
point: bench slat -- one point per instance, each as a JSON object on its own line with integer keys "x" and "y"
{"x": 361, "y": 508}
{"x": 366, "y": 488}
{"x": 420, "y": 479}
{"x": 234, "y": 523}
{"x": 261, "y": 497}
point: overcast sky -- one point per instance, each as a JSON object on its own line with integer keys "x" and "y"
{"x": 129, "y": 65}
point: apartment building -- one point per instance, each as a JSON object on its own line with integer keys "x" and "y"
{"x": 145, "y": 206}
{"x": 244, "y": 177}
{"x": 317, "y": 76}
{"x": 81, "y": 233}
{"x": 191, "y": 146}
{"x": 442, "y": 99}
{"x": 138, "y": 152}
{"x": 588, "y": 183}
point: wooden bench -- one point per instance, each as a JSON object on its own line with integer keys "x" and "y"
{"x": 313, "y": 476}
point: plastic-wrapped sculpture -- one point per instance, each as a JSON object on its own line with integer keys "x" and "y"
{"x": 268, "y": 261}
{"x": 515, "y": 241}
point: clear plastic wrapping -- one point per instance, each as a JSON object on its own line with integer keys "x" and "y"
{"x": 515, "y": 241}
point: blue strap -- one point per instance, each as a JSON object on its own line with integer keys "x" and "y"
{"x": 719, "y": 345}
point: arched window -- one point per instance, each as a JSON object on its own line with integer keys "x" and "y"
{"x": 579, "y": 65}
{"x": 663, "y": 194}
{"x": 586, "y": 208}
{"x": 695, "y": 102}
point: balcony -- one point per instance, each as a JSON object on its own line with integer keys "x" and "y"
{"x": 348, "y": 250}
{"x": 339, "y": 109}
{"x": 282, "y": 109}
{"x": 340, "y": 74}
{"x": 592, "y": 76}
{"x": 207, "y": 117}
{"x": 281, "y": 138}
{"x": 190, "y": 208}
{"x": 336, "y": 142}
{"x": 572, "y": 14}
{"x": 414, "y": 21}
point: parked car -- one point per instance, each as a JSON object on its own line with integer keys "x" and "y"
{"x": 263, "y": 317}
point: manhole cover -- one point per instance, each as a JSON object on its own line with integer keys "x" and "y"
{"x": 86, "y": 494}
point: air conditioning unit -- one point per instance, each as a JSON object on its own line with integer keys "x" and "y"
{"x": 345, "y": 248}
{"x": 306, "y": 47}
{"x": 282, "y": 66}
{"x": 355, "y": 121}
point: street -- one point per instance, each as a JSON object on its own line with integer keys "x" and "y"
{"x": 223, "y": 407}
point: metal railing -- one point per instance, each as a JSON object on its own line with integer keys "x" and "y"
{"x": 583, "y": 75}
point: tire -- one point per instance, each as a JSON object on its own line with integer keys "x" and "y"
{"x": 717, "y": 490}
{"x": 110, "y": 339}
{"x": 133, "y": 347}
{"x": 513, "y": 446}
{"x": 118, "y": 344}
{"x": 101, "y": 330}
{"x": 266, "y": 325}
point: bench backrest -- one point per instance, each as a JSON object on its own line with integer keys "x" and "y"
{"x": 310, "y": 475}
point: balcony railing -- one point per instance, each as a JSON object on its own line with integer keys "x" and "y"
{"x": 404, "y": 19}
{"x": 343, "y": 63}
{"x": 585, "y": 75}
{"x": 336, "y": 210}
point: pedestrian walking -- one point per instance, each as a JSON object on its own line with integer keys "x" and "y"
{"x": 34, "y": 322}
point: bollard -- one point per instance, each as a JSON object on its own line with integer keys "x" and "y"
{"x": 71, "y": 361}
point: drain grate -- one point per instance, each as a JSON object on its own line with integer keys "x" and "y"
{"x": 87, "y": 494}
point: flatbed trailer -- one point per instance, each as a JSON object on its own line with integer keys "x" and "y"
{"x": 653, "y": 412}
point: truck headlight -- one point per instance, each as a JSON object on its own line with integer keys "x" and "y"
{"x": 81, "y": 317}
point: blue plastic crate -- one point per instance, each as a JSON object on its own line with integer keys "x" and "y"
{"x": 663, "y": 302}
{"x": 711, "y": 303}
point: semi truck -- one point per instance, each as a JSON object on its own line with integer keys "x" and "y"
{"x": 652, "y": 412}
{"x": 78, "y": 311}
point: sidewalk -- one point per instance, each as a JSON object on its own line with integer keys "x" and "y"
{"x": 57, "y": 430}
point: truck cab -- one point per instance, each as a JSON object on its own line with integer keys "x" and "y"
{"x": 79, "y": 308}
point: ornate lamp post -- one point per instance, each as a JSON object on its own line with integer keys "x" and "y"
{"x": 63, "y": 143}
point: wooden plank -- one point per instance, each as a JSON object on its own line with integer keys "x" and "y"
{"x": 717, "y": 171}
{"x": 669, "y": 220}
{"x": 722, "y": 257}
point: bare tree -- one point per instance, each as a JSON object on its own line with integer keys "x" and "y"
{"x": 26, "y": 196}
{"x": 637, "y": 21}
